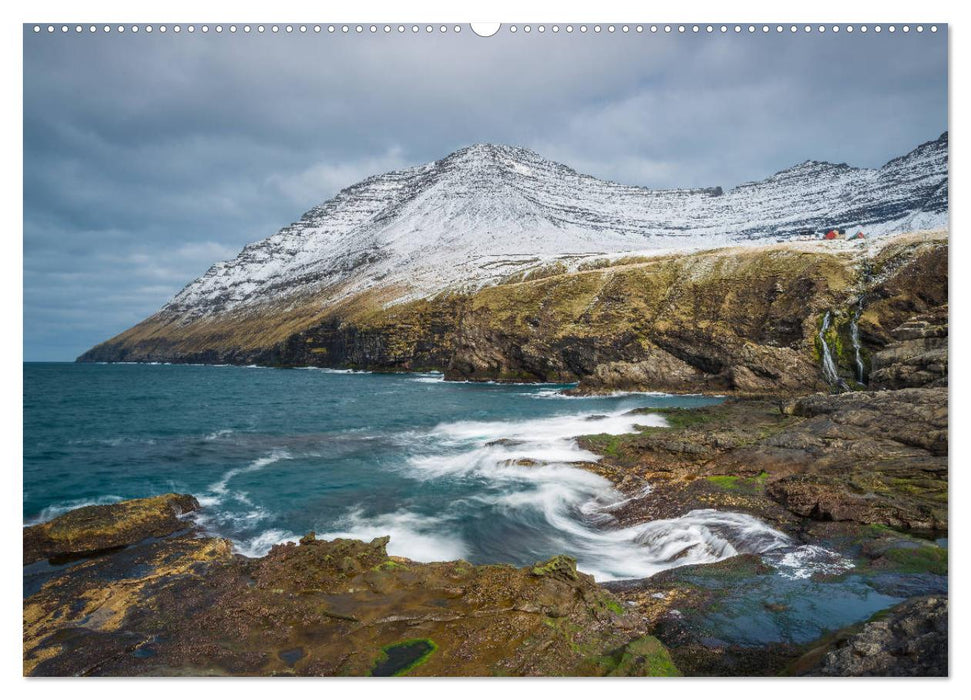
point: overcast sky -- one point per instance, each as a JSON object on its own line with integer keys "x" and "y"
{"x": 149, "y": 157}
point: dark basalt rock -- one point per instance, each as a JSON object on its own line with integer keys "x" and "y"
{"x": 909, "y": 640}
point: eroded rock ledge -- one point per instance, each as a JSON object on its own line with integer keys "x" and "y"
{"x": 185, "y": 604}
{"x": 861, "y": 457}
{"x": 93, "y": 529}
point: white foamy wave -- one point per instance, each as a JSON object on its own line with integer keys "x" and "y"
{"x": 707, "y": 535}
{"x": 56, "y": 509}
{"x": 217, "y": 516}
{"x": 559, "y": 394}
{"x": 643, "y": 550}
{"x": 216, "y": 435}
{"x": 578, "y": 504}
{"x": 699, "y": 537}
{"x": 808, "y": 560}
{"x": 215, "y": 521}
{"x": 259, "y": 545}
{"x": 221, "y": 487}
{"x": 546, "y": 430}
{"x": 494, "y": 448}
{"x": 642, "y": 492}
{"x": 422, "y": 538}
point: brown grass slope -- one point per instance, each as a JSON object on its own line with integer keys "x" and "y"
{"x": 741, "y": 320}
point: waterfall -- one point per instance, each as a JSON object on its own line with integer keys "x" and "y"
{"x": 829, "y": 366}
{"x": 855, "y": 336}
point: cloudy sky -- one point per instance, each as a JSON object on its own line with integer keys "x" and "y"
{"x": 148, "y": 157}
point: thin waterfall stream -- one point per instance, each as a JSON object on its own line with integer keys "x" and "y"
{"x": 829, "y": 365}
{"x": 855, "y": 337}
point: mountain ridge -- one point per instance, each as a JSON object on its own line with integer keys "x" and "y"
{"x": 486, "y": 211}
{"x": 415, "y": 269}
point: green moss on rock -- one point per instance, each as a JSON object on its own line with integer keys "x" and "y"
{"x": 645, "y": 656}
{"x": 403, "y": 657}
{"x": 560, "y": 566}
{"x": 919, "y": 559}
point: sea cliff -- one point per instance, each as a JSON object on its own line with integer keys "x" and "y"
{"x": 747, "y": 321}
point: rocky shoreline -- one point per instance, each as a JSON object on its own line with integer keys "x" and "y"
{"x": 182, "y": 603}
{"x": 863, "y": 474}
{"x": 135, "y": 588}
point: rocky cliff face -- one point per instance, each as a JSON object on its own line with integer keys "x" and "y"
{"x": 918, "y": 354}
{"x": 735, "y": 320}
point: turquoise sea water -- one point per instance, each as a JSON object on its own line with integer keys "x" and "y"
{"x": 275, "y": 453}
{"x": 449, "y": 470}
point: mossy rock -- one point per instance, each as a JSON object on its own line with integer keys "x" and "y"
{"x": 918, "y": 559}
{"x": 742, "y": 484}
{"x": 560, "y": 566}
{"x": 645, "y": 656}
{"x": 402, "y": 657}
{"x": 97, "y": 528}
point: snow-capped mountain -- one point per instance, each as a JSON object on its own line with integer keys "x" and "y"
{"x": 487, "y": 211}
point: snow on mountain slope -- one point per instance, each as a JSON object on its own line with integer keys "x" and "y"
{"x": 487, "y": 211}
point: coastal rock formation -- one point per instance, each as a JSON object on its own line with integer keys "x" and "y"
{"x": 186, "y": 605}
{"x": 873, "y": 457}
{"x": 861, "y": 457}
{"x": 918, "y": 355}
{"x": 97, "y": 528}
{"x": 909, "y": 640}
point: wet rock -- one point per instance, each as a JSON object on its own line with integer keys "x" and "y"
{"x": 95, "y": 528}
{"x": 866, "y": 457}
{"x": 909, "y": 640}
{"x": 504, "y": 442}
{"x": 522, "y": 462}
{"x": 341, "y": 607}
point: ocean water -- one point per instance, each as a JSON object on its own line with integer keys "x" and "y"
{"x": 439, "y": 466}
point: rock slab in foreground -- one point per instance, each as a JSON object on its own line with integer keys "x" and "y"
{"x": 187, "y": 605}
{"x": 95, "y": 528}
